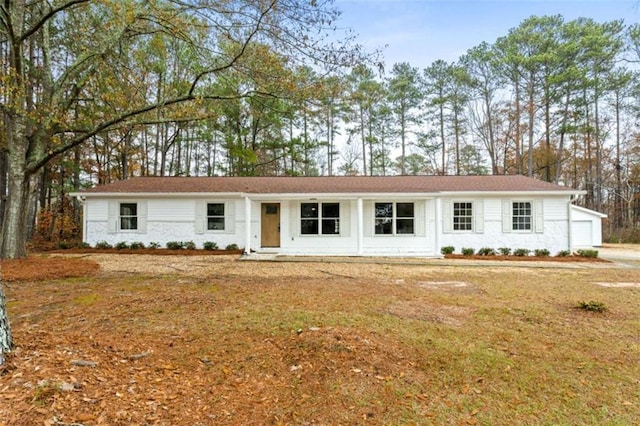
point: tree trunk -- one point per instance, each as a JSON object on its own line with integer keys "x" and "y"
{"x": 13, "y": 236}
{"x": 6, "y": 340}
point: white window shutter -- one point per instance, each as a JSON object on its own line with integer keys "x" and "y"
{"x": 419, "y": 212}
{"x": 230, "y": 217}
{"x": 478, "y": 216}
{"x": 142, "y": 217}
{"x": 506, "y": 216}
{"x": 113, "y": 216}
{"x": 368, "y": 213}
{"x": 345, "y": 219}
{"x": 294, "y": 216}
{"x": 538, "y": 214}
{"x": 447, "y": 216}
{"x": 200, "y": 218}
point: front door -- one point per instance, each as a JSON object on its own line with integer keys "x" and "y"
{"x": 270, "y": 225}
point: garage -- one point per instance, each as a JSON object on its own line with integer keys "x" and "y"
{"x": 586, "y": 227}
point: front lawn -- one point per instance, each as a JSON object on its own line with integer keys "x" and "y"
{"x": 211, "y": 340}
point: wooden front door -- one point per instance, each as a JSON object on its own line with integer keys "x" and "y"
{"x": 270, "y": 225}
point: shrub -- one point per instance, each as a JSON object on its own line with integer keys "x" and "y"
{"x": 190, "y": 245}
{"x": 85, "y": 245}
{"x": 486, "y": 251}
{"x": 210, "y": 245}
{"x": 505, "y": 251}
{"x": 467, "y": 251}
{"x": 521, "y": 252}
{"x": 154, "y": 245}
{"x": 588, "y": 253}
{"x": 447, "y": 250}
{"x": 592, "y": 306}
{"x": 121, "y": 245}
{"x": 136, "y": 245}
{"x": 564, "y": 253}
{"x": 64, "y": 245}
{"x": 103, "y": 245}
{"x": 541, "y": 252}
{"x": 175, "y": 245}
{"x": 231, "y": 246}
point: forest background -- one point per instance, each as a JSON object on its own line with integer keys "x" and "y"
{"x": 94, "y": 92}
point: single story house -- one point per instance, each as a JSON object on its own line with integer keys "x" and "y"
{"x": 346, "y": 215}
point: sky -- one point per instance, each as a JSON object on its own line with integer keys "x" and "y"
{"x": 422, "y": 31}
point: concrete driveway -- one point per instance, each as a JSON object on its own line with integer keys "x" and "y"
{"x": 621, "y": 253}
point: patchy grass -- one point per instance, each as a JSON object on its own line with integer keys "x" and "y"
{"x": 325, "y": 343}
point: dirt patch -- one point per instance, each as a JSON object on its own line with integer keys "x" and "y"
{"x": 454, "y": 316}
{"x": 618, "y": 284}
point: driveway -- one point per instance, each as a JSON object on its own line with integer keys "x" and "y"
{"x": 621, "y": 253}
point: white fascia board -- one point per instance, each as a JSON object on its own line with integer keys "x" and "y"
{"x": 342, "y": 196}
{"x": 510, "y": 193}
{"x": 588, "y": 211}
{"x": 158, "y": 194}
{"x": 255, "y": 196}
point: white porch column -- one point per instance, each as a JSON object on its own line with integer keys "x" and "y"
{"x": 438, "y": 225}
{"x": 360, "y": 226}
{"x": 247, "y": 229}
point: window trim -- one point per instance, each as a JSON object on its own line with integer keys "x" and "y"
{"x": 531, "y": 217}
{"x": 207, "y": 216}
{"x": 472, "y": 218}
{"x": 135, "y": 216}
{"x": 394, "y": 219}
{"x": 320, "y": 218}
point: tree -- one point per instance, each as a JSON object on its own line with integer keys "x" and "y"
{"x": 404, "y": 96}
{"x": 65, "y": 52}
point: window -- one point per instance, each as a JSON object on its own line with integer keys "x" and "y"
{"x": 320, "y": 218}
{"x": 521, "y": 219}
{"x": 462, "y": 216}
{"x": 215, "y": 216}
{"x": 394, "y": 218}
{"x": 128, "y": 216}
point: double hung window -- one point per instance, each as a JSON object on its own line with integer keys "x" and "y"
{"x": 320, "y": 218}
{"x": 394, "y": 218}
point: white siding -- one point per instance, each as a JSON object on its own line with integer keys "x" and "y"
{"x": 551, "y": 231}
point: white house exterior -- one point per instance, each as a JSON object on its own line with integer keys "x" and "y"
{"x": 361, "y": 216}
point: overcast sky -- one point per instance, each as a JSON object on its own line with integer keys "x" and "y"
{"x": 421, "y": 31}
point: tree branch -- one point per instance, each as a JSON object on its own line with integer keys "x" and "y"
{"x": 43, "y": 20}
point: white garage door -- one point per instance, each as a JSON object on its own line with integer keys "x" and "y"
{"x": 581, "y": 232}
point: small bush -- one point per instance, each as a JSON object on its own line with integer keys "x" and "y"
{"x": 592, "y": 306}
{"x": 521, "y": 252}
{"x": 541, "y": 252}
{"x": 64, "y": 245}
{"x": 467, "y": 251}
{"x": 210, "y": 245}
{"x": 136, "y": 245}
{"x": 486, "y": 251}
{"x": 103, "y": 245}
{"x": 154, "y": 245}
{"x": 85, "y": 245}
{"x": 447, "y": 250}
{"x": 175, "y": 245}
{"x": 190, "y": 245}
{"x": 121, "y": 245}
{"x": 588, "y": 253}
{"x": 505, "y": 251}
{"x": 563, "y": 253}
{"x": 231, "y": 246}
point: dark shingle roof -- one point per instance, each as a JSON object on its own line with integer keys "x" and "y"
{"x": 332, "y": 184}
